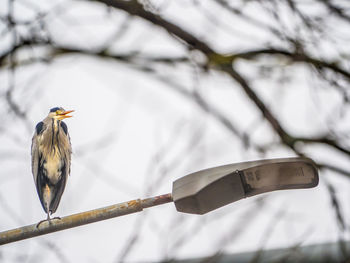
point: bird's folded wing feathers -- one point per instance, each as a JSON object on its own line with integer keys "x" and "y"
{"x": 59, "y": 187}
{"x": 35, "y": 158}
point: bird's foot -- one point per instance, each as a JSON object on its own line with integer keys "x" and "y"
{"x": 42, "y": 221}
{"x": 49, "y": 220}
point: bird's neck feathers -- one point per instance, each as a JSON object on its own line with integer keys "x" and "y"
{"x": 52, "y": 135}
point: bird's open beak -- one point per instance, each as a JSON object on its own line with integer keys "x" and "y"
{"x": 64, "y": 115}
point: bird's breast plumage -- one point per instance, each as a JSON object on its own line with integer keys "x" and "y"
{"x": 53, "y": 149}
{"x": 53, "y": 164}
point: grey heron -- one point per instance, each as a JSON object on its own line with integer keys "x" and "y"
{"x": 51, "y": 159}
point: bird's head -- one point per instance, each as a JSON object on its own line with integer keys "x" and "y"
{"x": 59, "y": 113}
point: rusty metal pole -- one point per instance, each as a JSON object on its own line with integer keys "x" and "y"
{"x": 196, "y": 193}
{"x": 83, "y": 218}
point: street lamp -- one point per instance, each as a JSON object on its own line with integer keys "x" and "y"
{"x": 196, "y": 193}
{"x": 209, "y": 189}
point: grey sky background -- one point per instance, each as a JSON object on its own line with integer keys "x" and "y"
{"x": 134, "y": 131}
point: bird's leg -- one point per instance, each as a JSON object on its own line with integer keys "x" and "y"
{"x": 54, "y": 218}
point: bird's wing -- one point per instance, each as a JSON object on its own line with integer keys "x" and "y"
{"x": 35, "y": 151}
{"x": 59, "y": 187}
{"x": 64, "y": 127}
{"x": 41, "y": 182}
{"x": 37, "y": 169}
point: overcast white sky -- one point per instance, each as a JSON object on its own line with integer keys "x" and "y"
{"x": 130, "y": 129}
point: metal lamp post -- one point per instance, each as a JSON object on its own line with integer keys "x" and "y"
{"x": 196, "y": 193}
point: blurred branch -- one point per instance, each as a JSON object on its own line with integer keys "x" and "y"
{"x": 334, "y": 169}
{"x": 333, "y": 8}
{"x": 134, "y": 8}
{"x": 236, "y": 230}
{"x": 130, "y": 243}
{"x": 268, "y": 232}
{"x": 251, "y": 19}
{"x": 204, "y": 105}
{"x": 336, "y": 206}
{"x": 221, "y": 62}
{"x": 57, "y": 50}
{"x": 295, "y": 56}
{"x": 23, "y": 43}
{"x": 54, "y": 50}
{"x": 322, "y": 140}
{"x": 224, "y": 63}
{"x": 286, "y": 138}
{"x": 83, "y": 218}
{"x": 158, "y": 162}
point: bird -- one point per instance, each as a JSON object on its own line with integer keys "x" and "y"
{"x": 51, "y": 159}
